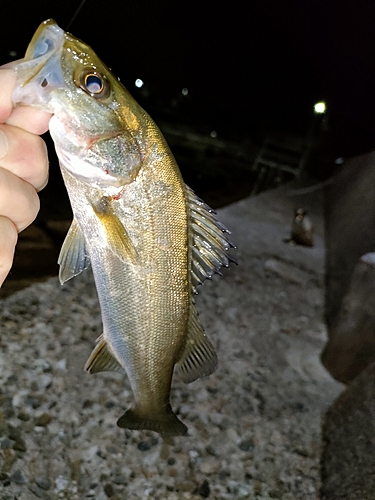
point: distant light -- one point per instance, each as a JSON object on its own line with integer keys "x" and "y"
{"x": 339, "y": 161}
{"x": 213, "y": 134}
{"x": 139, "y": 83}
{"x": 12, "y": 53}
{"x": 320, "y": 107}
{"x": 185, "y": 91}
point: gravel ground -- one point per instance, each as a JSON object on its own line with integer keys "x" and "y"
{"x": 254, "y": 425}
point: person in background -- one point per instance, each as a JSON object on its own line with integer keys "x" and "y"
{"x": 23, "y": 167}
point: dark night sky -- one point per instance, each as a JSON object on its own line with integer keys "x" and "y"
{"x": 246, "y": 62}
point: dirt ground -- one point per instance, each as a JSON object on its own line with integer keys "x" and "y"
{"x": 254, "y": 425}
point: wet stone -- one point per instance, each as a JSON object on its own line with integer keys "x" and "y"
{"x": 19, "y": 477}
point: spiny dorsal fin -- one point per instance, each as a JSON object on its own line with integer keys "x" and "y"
{"x": 102, "y": 359}
{"x": 198, "y": 357}
{"x": 73, "y": 258}
{"x": 117, "y": 236}
{"x": 210, "y": 241}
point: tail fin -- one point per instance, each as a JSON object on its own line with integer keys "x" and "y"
{"x": 166, "y": 424}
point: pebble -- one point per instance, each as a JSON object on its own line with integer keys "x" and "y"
{"x": 20, "y": 445}
{"x": 143, "y": 446}
{"x": 61, "y": 483}
{"x": 19, "y": 477}
{"x": 37, "y": 491}
{"x": 82, "y": 446}
{"x": 119, "y": 479}
{"x": 9, "y": 457}
{"x": 44, "y": 419}
{"x": 109, "y": 490}
{"x": 14, "y": 433}
{"x": 22, "y": 415}
{"x": 204, "y": 489}
{"x": 246, "y": 445}
{"x": 6, "y": 444}
{"x": 211, "y": 450}
{"x": 43, "y": 483}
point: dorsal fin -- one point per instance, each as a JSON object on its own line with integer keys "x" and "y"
{"x": 210, "y": 241}
{"x": 73, "y": 257}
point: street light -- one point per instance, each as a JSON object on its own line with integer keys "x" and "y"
{"x": 320, "y": 107}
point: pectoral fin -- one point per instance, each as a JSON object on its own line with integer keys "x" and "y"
{"x": 102, "y": 359}
{"x": 116, "y": 235}
{"x": 198, "y": 358}
{"x": 73, "y": 258}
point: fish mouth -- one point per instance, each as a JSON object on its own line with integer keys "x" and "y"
{"x": 40, "y": 70}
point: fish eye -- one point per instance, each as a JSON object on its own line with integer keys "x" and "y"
{"x": 94, "y": 84}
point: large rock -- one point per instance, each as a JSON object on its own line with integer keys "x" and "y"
{"x": 350, "y": 226}
{"x": 348, "y": 460}
{"x": 351, "y": 346}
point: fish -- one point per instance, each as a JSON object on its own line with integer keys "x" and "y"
{"x": 149, "y": 239}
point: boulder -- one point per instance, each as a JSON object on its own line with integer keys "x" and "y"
{"x": 351, "y": 345}
{"x": 348, "y": 458}
{"x": 350, "y": 226}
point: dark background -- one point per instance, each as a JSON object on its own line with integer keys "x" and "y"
{"x": 248, "y": 65}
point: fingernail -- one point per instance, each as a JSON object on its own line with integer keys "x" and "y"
{"x": 3, "y": 145}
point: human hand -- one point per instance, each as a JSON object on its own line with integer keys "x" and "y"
{"x": 23, "y": 168}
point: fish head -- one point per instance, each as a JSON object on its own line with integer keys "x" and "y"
{"x": 94, "y": 124}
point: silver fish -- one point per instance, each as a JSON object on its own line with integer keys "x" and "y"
{"x": 149, "y": 239}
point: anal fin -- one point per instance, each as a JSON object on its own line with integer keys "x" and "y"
{"x": 198, "y": 358}
{"x": 102, "y": 359}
